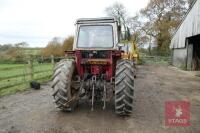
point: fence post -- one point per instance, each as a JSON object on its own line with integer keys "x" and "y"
{"x": 52, "y": 59}
{"x": 24, "y": 74}
{"x": 42, "y": 59}
{"x": 31, "y": 68}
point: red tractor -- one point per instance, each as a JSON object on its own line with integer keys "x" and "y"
{"x": 95, "y": 69}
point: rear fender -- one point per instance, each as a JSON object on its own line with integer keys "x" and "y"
{"x": 70, "y": 54}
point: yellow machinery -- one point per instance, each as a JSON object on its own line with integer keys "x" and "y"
{"x": 131, "y": 52}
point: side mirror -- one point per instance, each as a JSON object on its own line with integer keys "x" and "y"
{"x": 120, "y": 45}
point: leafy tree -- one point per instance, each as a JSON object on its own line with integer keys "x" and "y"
{"x": 54, "y": 47}
{"x": 57, "y": 48}
{"x": 16, "y": 53}
{"x": 162, "y": 17}
{"x": 68, "y": 43}
{"x": 5, "y": 47}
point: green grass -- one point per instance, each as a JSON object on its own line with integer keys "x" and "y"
{"x": 21, "y": 69}
{"x": 5, "y": 66}
{"x": 154, "y": 60}
{"x": 20, "y": 88}
{"x": 16, "y": 77}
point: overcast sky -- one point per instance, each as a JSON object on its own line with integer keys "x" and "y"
{"x": 38, "y": 21}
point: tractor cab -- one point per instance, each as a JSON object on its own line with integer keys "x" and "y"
{"x": 96, "y": 34}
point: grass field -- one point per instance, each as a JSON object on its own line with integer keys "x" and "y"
{"x": 16, "y": 77}
{"x": 154, "y": 60}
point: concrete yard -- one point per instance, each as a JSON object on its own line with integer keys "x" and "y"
{"x": 34, "y": 111}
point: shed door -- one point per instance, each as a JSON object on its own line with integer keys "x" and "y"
{"x": 189, "y": 56}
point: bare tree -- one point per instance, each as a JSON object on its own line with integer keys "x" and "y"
{"x": 119, "y": 12}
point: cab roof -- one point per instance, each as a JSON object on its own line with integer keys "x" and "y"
{"x": 96, "y": 20}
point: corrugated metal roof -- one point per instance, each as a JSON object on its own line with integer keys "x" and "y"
{"x": 190, "y": 26}
{"x": 193, "y": 3}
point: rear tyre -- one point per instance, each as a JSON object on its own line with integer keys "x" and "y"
{"x": 61, "y": 84}
{"x": 124, "y": 87}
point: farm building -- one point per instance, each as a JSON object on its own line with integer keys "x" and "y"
{"x": 186, "y": 40}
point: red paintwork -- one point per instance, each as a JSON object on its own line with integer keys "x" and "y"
{"x": 95, "y": 69}
{"x": 107, "y": 67}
